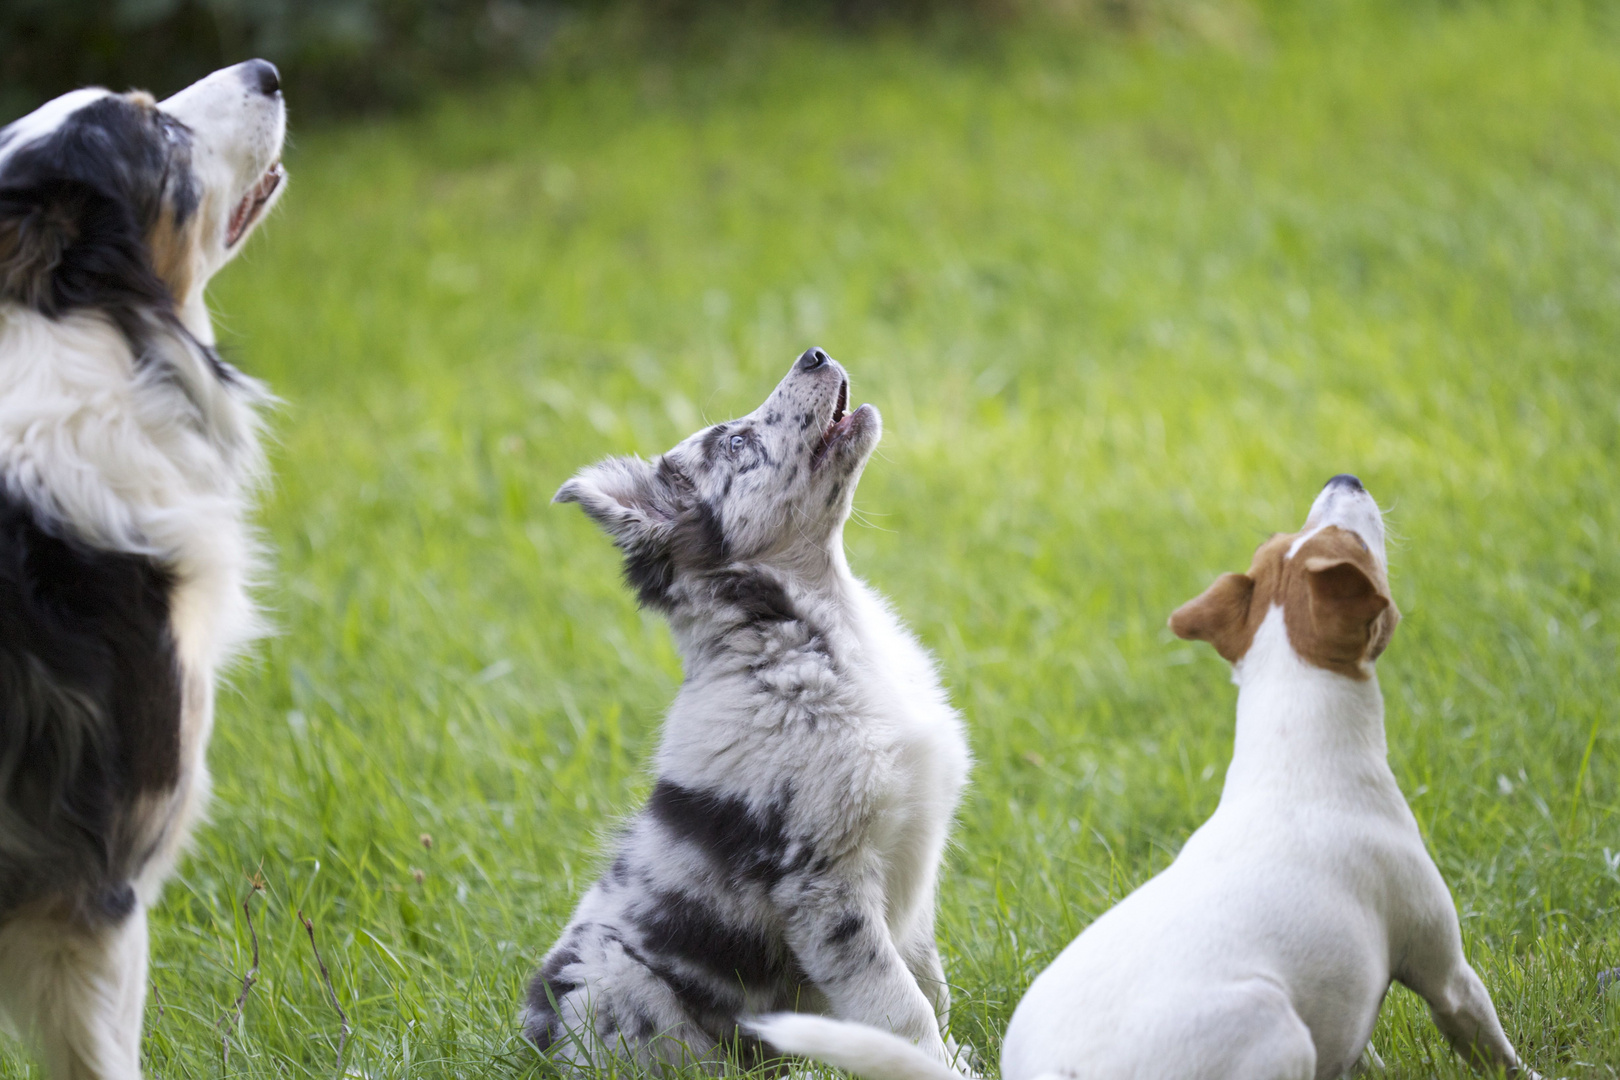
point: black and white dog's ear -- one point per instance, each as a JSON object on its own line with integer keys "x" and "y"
{"x": 631, "y": 499}
{"x": 36, "y": 230}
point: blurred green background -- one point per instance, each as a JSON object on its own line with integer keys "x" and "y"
{"x": 1128, "y": 282}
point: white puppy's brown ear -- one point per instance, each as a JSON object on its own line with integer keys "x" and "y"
{"x": 1220, "y": 616}
{"x": 631, "y": 499}
{"x": 1343, "y": 587}
{"x": 1352, "y": 615}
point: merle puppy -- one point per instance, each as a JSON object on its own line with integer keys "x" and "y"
{"x": 128, "y": 452}
{"x": 809, "y": 767}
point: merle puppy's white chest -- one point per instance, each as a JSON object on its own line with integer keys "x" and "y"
{"x": 921, "y": 737}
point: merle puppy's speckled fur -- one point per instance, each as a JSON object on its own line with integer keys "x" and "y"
{"x": 128, "y": 451}
{"x": 808, "y": 771}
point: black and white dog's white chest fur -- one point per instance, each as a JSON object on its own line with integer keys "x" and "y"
{"x": 128, "y": 452}
{"x": 808, "y": 771}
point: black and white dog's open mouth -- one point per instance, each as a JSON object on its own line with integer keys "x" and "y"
{"x": 838, "y": 427}
{"x": 252, "y": 205}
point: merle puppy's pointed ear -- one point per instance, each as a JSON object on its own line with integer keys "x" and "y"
{"x": 36, "y": 230}
{"x": 631, "y": 499}
{"x": 1219, "y": 615}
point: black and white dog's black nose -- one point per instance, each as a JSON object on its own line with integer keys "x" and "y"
{"x": 812, "y": 358}
{"x": 262, "y": 76}
{"x": 1344, "y": 479}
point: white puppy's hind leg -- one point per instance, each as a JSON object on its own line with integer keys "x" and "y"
{"x": 1462, "y": 1010}
{"x": 76, "y": 993}
{"x": 1252, "y": 1032}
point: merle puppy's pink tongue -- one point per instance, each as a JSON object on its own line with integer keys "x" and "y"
{"x": 843, "y": 421}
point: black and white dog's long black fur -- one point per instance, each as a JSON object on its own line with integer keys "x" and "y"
{"x": 808, "y": 771}
{"x": 128, "y": 450}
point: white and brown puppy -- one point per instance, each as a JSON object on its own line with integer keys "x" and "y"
{"x": 128, "y": 451}
{"x": 1265, "y": 950}
{"x": 808, "y": 771}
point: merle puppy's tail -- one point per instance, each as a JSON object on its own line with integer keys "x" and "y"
{"x": 867, "y": 1051}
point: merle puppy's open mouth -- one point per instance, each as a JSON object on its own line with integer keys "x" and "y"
{"x": 838, "y": 427}
{"x": 252, "y": 205}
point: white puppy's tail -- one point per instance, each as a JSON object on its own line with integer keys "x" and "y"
{"x": 864, "y": 1050}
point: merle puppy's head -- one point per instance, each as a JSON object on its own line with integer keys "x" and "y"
{"x": 121, "y": 203}
{"x": 774, "y": 486}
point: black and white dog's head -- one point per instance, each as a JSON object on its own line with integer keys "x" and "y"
{"x": 772, "y": 487}
{"x": 127, "y": 205}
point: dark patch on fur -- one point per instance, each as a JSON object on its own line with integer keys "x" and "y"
{"x": 640, "y": 1022}
{"x": 832, "y": 496}
{"x": 89, "y": 712}
{"x": 538, "y": 1029}
{"x": 699, "y": 540}
{"x": 760, "y": 597}
{"x": 546, "y": 992}
{"x": 650, "y": 573}
{"x": 620, "y": 871}
{"x": 694, "y": 540}
{"x": 712, "y": 443}
{"x": 683, "y": 927}
{"x": 847, "y": 927}
{"x": 700, "y": 1000}
{"x": 750, "y": 844}
{"x": 704, "y": 1000}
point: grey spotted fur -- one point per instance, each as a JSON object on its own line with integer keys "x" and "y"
{"x": 808, "y": 771}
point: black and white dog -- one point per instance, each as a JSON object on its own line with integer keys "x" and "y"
{"x": 128, "y": 450}
{"x": 809, "y": 767}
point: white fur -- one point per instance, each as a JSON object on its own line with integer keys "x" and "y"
{"x": 1265, "y": 950}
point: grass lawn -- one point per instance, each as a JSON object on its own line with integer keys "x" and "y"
{"x": 1124, "y": 306}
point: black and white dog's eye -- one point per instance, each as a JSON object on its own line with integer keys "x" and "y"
{"x": 737, "y": 442}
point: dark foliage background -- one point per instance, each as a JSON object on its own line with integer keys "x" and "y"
{"x": 350, "y": 55}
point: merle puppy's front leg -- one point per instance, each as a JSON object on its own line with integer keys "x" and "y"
{"x": 836, "y": 929}
{"x": 921, "y": 953}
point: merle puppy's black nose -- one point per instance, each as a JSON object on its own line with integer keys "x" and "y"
{"x": 262, "y": 76}
{"x": 811, "y": 359}
{"x": 1344, "y": 479}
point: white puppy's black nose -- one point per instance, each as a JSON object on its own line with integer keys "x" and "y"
{"x": 812, "y": 358}
{"x": 262, "y": 76}
{"x": 1345, "y": 480}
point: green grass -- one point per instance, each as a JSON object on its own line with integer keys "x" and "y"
{"x": 1124, "y": 303}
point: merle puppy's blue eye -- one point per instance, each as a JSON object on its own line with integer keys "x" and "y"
{"x": 737, "y": 442}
